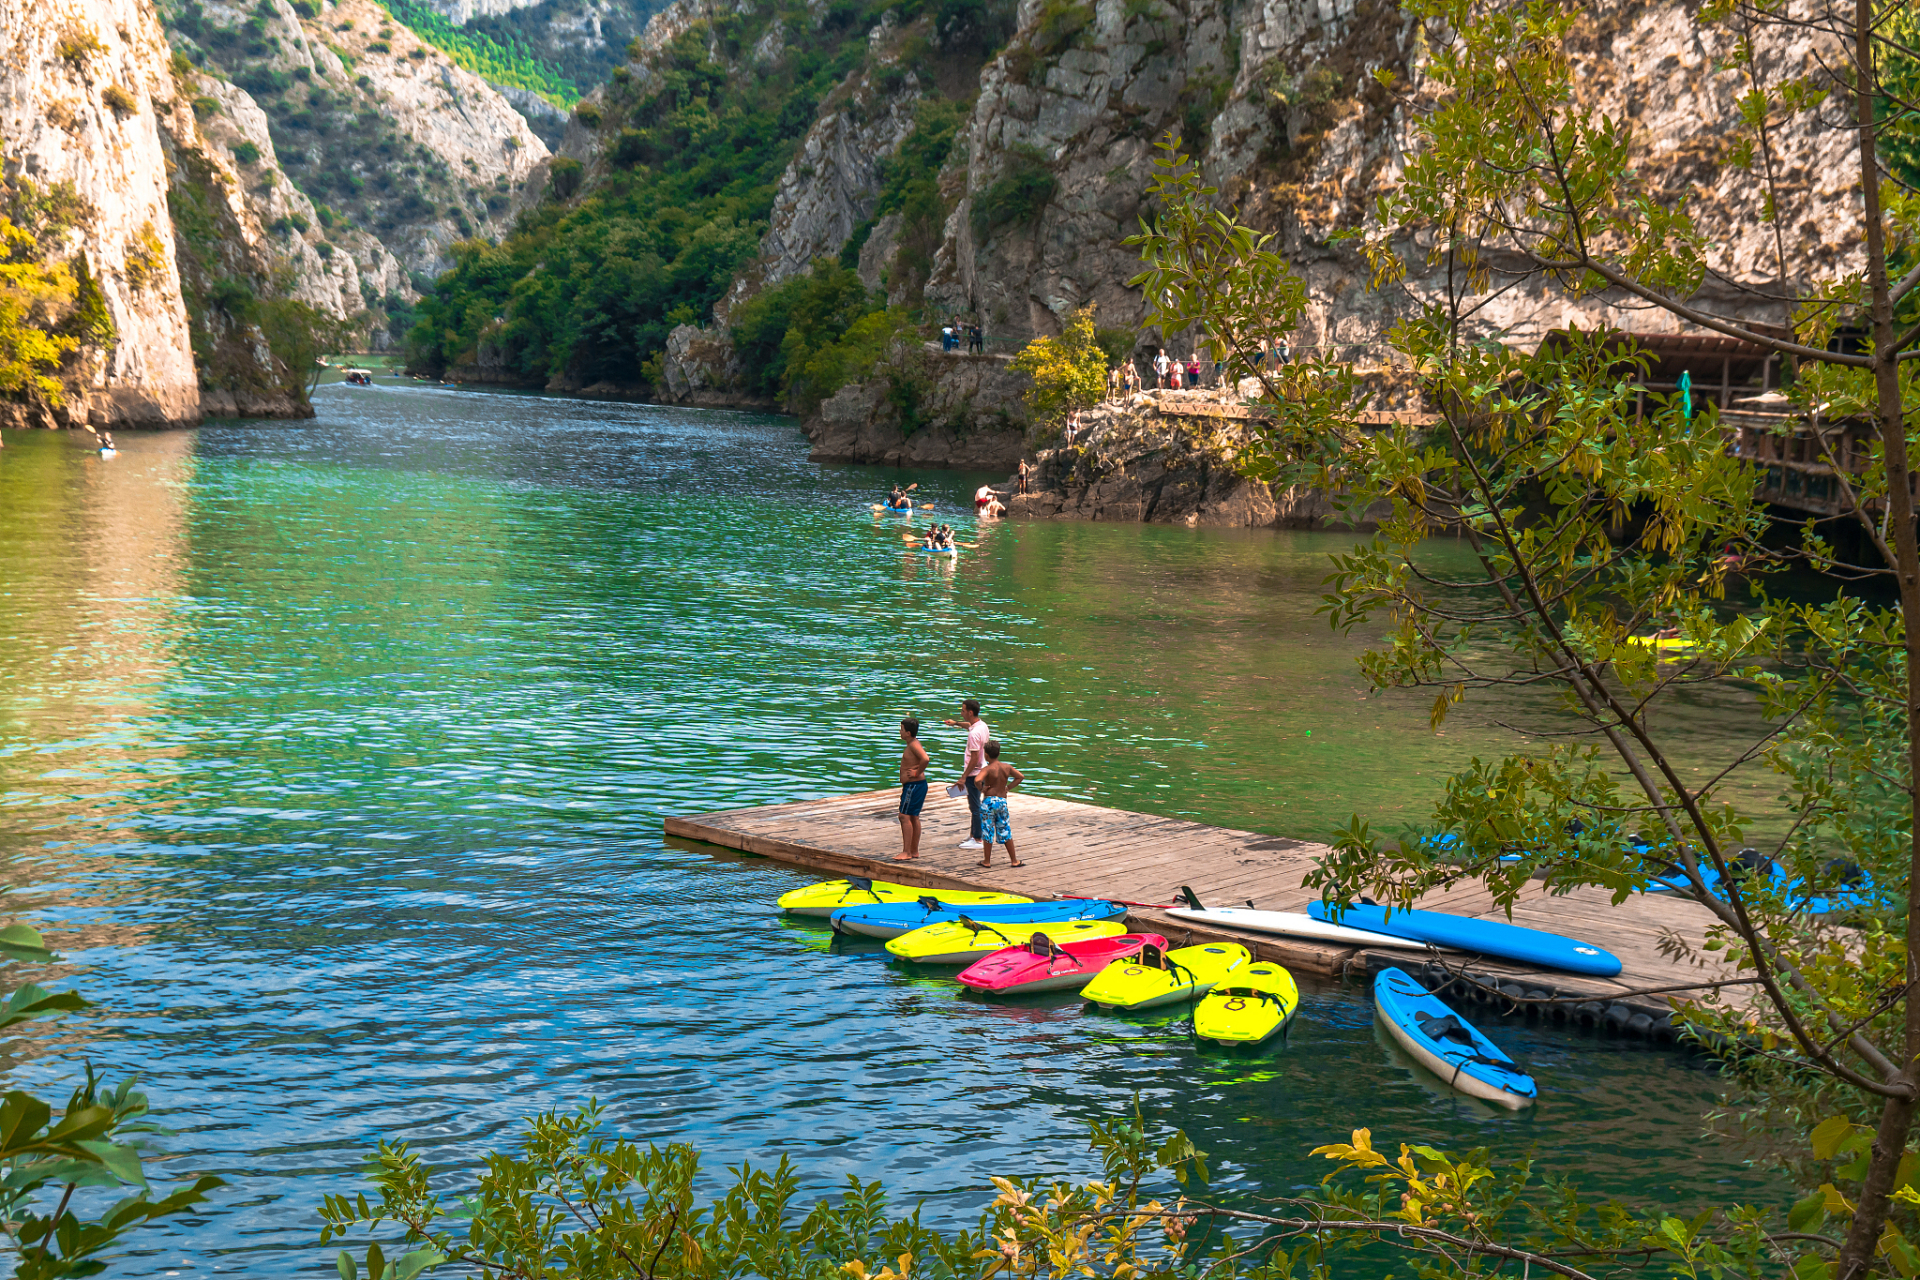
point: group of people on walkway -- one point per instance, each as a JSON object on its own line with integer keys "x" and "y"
{"x": 984, "y": 778}
{"x": 953, "y": 333}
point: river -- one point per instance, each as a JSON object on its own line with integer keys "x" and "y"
{"x": 334, "y": 755}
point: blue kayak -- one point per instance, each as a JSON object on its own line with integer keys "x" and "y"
{"x": 1856, "y": 890}
{"x": 1488, "y": 937}
{"x": 1447, "y": 1044}
{"x": 891, "y": 919}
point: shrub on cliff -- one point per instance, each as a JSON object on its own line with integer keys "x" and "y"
{"x": 1069, "y": 372}
{"x": 779, "y": 333}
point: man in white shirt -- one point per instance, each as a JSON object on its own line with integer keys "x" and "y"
{"x": 1161, "y": 364}
{"x": 976, "y": 760}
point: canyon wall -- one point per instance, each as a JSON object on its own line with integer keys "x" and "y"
{"x": 81, "y": 83}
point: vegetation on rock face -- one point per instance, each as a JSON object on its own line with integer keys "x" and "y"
{"x": 589, "y": 291}
{"x": 589, "y": 285}
{"x": 51, "y": 310}
{"x": 509, "y": 61}
{"x": 1069, "y": 372}
{"x": 332, "y": 137}
{"x": 910, "y": 187}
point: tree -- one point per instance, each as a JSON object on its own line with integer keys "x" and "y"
{"x": 1069, "y": 372}
{"x": 1591, "y": 514}
{"x": 299, "y": 334}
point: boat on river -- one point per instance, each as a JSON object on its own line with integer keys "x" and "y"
{"x": 1448, "y": 1045}
{"x": 891, "y": 919}
{"x": 1041, "y": 964}
{"x": 826, "y": 897}
{"x": 964, "y": 941}
{"x": 1250, "y": 1007}
{"x": 1157, "y": 976}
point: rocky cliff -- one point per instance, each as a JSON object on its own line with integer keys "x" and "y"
{"x": 81, "y": 84}
{"x": 1165, "y": 457}
{"x": 1278, "y": 101}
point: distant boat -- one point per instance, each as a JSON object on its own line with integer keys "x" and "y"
{"x": 359, "y": 378}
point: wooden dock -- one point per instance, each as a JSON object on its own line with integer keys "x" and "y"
{"x": 1069, "y": 849}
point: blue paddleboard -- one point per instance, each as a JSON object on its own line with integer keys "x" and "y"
{"x": 1488, "y": 937}
{"x": 891, "y": 919}
{"x": 1447, "y": 1044}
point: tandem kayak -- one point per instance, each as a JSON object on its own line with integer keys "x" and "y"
{"x": 1041, "y": 964}
{"x": 963, "y": 941}
{"x": 891, "y": 919}
{"x": 1486, "y": 937}
{"x": 1249, "y": 1007}
{"x": 1448, "y": 1045}
{"x": 825, "y": 898}
{"x": 1160, "y": 977}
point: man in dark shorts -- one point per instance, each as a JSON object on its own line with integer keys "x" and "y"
{"x": 913, "y": 789}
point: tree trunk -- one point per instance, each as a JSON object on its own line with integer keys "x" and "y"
{"x": 1896, "y": 1115}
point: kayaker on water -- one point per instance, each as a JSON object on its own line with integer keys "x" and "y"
{"x": 913, "y": 789}
{"x": 995, "y": 822}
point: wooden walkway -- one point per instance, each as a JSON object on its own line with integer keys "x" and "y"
{"x": 1081, "y": 850}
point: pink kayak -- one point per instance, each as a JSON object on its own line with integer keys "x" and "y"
{"x": 1042, "y": 964}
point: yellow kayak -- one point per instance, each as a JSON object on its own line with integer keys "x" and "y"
{"x": 1250, "y": 1006}
{"x": 1664, "y": 644}
{"x": 828, "y": 896}
{"x": 1157, "y": 978}
{"x": 963, "y": 941}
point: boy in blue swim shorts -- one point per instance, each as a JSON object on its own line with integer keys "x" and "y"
{"x": 996, "y": 825}
{"x": 913, "y": 790}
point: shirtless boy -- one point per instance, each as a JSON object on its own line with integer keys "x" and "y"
{"x": 994, "y": 780}
{"x": 913, "y": 790}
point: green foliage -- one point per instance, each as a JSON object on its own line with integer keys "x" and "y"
{"x": 1017, "y": 196}
{"x": 854, "y": 356}
{"x": 564, "y": 177}
{"x": 92, "y": 1143}
{"x": 589, "y": 290}
{"x": 910, "y": 187}
{"x": 628, "y": 1211}
{"x": 508, "y": 63}
{"x": 780, "y": 332}
{"x": 299, "y": 334}
{"x": 1069, "y": 372}
{"x": 246, "y": 153}
{"x": 119, "y": 100}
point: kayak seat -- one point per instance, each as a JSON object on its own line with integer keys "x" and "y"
{"x": 1450, "y": 1031}
{"x": 983, "y": 928}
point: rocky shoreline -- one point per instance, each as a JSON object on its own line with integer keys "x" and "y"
{"x": 1167, "y": 457}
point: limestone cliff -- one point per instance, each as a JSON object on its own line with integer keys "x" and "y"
{"x": 1278, "y": 100}
{"x": 81, "y": 82}
{"x": 352, "y": 123}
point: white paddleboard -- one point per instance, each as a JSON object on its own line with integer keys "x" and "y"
{"x": 1296, "y": 924}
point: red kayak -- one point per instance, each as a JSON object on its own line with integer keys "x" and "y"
{"x": 1042, "y": 964}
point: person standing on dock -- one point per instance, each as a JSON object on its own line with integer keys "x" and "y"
{"x": 995, "y": 822}
{"x": 913, "y": 789}
{"x": 976, "y": 760}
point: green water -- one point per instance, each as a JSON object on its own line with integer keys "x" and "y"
{"x": 335, "y": 754}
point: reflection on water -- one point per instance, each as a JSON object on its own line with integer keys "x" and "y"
{"x": 336, "y": 754}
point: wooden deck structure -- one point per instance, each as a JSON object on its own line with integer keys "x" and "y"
{"x": 1069, "y": 849}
